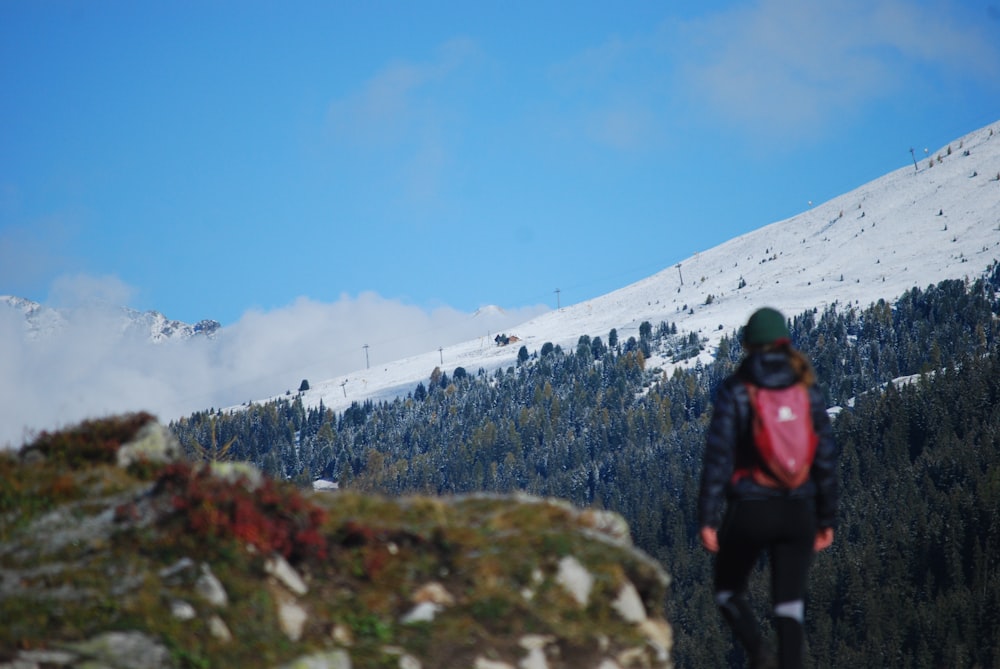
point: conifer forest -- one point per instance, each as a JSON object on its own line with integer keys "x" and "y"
{"x": 913, "y": 577}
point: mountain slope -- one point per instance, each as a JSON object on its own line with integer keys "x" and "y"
{"x": 910, "y": 228}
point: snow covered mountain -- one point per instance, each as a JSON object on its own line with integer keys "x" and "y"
{"x": 42, "y": 321}
{"x": 937, "y": 218}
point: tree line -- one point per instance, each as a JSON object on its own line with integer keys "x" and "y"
{"x": 912, "y": 580}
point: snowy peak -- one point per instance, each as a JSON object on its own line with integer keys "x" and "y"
{"x": 41, "y": 321}
{"x": 159, "y": 328}
{"x": 37, "y": 320}
{"x": 488, "y": 310}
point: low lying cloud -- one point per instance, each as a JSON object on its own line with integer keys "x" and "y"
{"x": 83, "y": 365}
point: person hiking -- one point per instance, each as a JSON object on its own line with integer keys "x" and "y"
{"x": 744, "y": 510}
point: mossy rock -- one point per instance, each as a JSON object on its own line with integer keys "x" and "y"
{"x": 106, "y": 558}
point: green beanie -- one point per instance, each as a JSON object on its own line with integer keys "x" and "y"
{"x": 766, "y": 326}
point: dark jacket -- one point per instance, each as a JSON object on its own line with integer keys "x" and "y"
{"x": 729, "y": 444}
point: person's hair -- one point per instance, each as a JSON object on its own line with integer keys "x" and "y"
{"x": 802, "y": 366}
{"x": 800, "y": 363}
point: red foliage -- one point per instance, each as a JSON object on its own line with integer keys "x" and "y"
{"x": 127, "y": 512}
{"x": 92, "y": 441}
{"x": 270, "y": 517}
{"x": 372, "y": 544}
{"x": 354, "y": 533}
{"x": 374, "y": 560}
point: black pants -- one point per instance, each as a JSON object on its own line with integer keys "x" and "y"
{"x": 784, "y": 528}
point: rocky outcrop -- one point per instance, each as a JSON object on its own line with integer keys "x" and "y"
{"x": 117, "y": 552}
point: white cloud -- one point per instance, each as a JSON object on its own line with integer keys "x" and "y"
{"x": 769, "y": 69}
{"x": 789, "y": 66}
{"x": 30, "y": 252}
{"x": 411, "y": 111}
{"x": 84, "y": 290}
{"x": 89, "y": 368}
{"x": 398, "y": 101}
{"x": 613, "y": 94}
{"x": 596, "y": 67}
{"x": 627, "y": 126}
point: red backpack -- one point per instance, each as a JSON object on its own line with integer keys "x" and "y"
{"x": 783, "y": 434}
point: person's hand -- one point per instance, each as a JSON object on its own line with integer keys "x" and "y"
{"x": 824, "y": 537}
{"x": 710, "y": 539}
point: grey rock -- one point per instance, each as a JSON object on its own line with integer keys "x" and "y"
{"x": 210, "y": 588}
{"x": 122, "y": 650}
{"x": 334, "y": 659}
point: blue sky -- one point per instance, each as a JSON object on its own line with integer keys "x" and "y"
{"x": 216, "y": 159}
